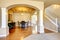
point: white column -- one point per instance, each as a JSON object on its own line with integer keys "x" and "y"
{"x": 40, "y": 22}
{"x": 4, "y": 26}
{"x": 34, "y": 21}
{"x": 4, "y": 14}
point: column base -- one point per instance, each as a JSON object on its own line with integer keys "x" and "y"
{"x": 4, "y": 32}
{"x": 40, "y": 29}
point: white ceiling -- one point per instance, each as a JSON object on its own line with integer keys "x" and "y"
{"x": 46, "y": 2}
{"x": 49, "y": 2}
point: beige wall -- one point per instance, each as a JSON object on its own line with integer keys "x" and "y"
{"x": 19, "y": 17}
{"x": 49, "y": 25}
{"x": 54, "y": 12}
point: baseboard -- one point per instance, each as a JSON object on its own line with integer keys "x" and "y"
{"x": 4, "y": 35}
{"x": 51, "y": 29}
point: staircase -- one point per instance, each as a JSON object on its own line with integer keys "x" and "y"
{"x": 48, "y": 24}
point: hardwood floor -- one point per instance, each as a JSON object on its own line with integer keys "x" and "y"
{"x": 19, "y": 33}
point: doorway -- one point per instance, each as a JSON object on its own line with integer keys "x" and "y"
{"x": 17, "y": 14}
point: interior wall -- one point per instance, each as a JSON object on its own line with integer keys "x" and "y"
{"x": 54, "y": 12}
{"x": 34, "y": 19}
{"x": 20, "y": 17}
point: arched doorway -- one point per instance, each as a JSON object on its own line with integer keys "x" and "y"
{"x": 23, "y": 12}
{"x": 4, "y": 6}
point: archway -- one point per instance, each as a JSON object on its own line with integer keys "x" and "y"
{"x": 37, "y": 4}
{"x": 19, "y": 10}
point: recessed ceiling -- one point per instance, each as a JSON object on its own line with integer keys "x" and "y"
{"x": 21, "y": 9}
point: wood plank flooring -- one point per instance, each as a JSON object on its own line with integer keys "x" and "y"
{"x": 19, "y": 34}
